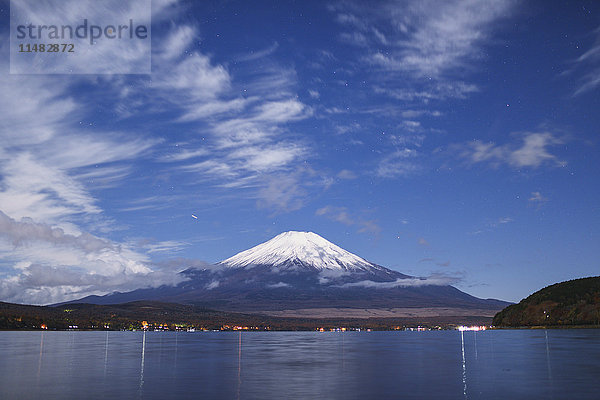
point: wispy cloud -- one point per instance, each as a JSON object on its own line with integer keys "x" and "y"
{"x": 343, "y": 216}
{"x": 346, "y": 174}
{"x": 184, "y": 155}
{"x": 433, "y": 280}
{"x": 397, "y": 164}
{"x": 537, "y": 199}
{"x": 439, "y": 38}
{"x": 589, "y": 64}
{"x": 278, "y": 285}
{"x": 493, "y": 224}
{"x": 165, "y": 246}
{"x": 530, "y": 149}
{"x": 243, "y": 141}
{"x": 255, "y": 55}
{"x": 52, "y": 265}
{"x": 48, "y": 161}
{"x": 282, "y": 193}
{"x": 54, "y": 160}
{"x": 431, "y": 43}
{"x": 107, "y": 57}
{"x": 430, "y": 91}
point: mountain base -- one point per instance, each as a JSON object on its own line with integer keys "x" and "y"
{"x": 413, "y": 312}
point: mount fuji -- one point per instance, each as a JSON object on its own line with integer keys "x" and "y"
{"x": 296, "y": 272}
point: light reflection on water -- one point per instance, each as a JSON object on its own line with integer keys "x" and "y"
{"x": 239, "y": 383}
{"x": 464, "y": 364}
{"x": 260, "y": 365}
{"x": 105, "y": 355}
{"x": 40, "y": 359}
{"x": 143, "y": 359}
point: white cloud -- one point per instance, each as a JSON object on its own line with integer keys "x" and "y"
{"x": 107, "y": 57}
{"x": 505, "y": 220}
{"x": 48, "y": 156}
{"x": 256, "y": 55}
{"x": 47, "y": 181}
{"x": 278, "y": 285}
{"x": 355, "y": 38}
{"x": 343, "y": 216}
{"x": 422, "y": 48}
{"x": 442, "y": 37}
{"x": 351, "y": 19}
{"x": 195, "y": 76}
{"x": 184, "y": 155}
{"x": 281, "y": 111}
{"x": 419, "y": 113}
{"x": 433, "y": 280}
{"x": 282, "y": 193}
{"x": 248, "y": 140}
{"x": 267, "y": 158}
{"x": 346, "y": 174}
{"x": 405, "y": 140}
{"x": 196, "y": 112}
{"x": 166, "y": 246}
{"x": 213, "y": 284}
{"x": 32, "y": 188}
{"x": 50, "y": 161}
{"x": 52, "y": 265}
{"x": 536, "y": 197}
{"x": 84, "y": 150}
{"x": 43, "y": 98}
{"x": 590, "y": 62}
{"x": 342, "y": 129}
{"x": 178, "y": 41}
{"x": 399, "y": 163}
{"x": 532, "y": 152}
{"x": 430, "y": 91}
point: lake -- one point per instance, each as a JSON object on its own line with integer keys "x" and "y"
{"x": 506, "y": 364}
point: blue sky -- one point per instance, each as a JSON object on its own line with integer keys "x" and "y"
{"x": 457, "y": 138}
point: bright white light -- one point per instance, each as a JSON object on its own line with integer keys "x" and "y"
{"x": 471, "y": 328}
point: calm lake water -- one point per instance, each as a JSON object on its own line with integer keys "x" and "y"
{"x": 526, "y": 364}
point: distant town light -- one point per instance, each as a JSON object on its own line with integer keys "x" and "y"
{"x": 472, "y": 328}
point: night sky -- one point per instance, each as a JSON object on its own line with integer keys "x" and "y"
{"x": 455, "y": 138}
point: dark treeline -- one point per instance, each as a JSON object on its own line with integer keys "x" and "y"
{"x": 178, "y": 316}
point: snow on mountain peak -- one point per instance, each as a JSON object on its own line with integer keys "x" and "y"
{"x": 306, "y": 248}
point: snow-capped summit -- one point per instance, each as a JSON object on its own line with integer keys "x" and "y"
{"x": 304, "y": 248}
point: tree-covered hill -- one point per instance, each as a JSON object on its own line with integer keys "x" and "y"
{"x": 575, "y": 302}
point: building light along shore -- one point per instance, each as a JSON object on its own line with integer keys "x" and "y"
{"x": 472, "y": 328}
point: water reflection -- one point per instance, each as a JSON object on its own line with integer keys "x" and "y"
{"x": 408, "y": 365}
{"x": 475, "y": 336}
{"x": 464, "y": 364}
{"x": 551, "y": 381}
{"x": 239, "y": 385}
{"x": 105, "y": 354}
{"x": 548, "y": 357}
{"x": 343, "y": 358}
{"x": 40, "y": 358}
{"x": 176, "y": 345}
{"x": 143, "y": 358}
